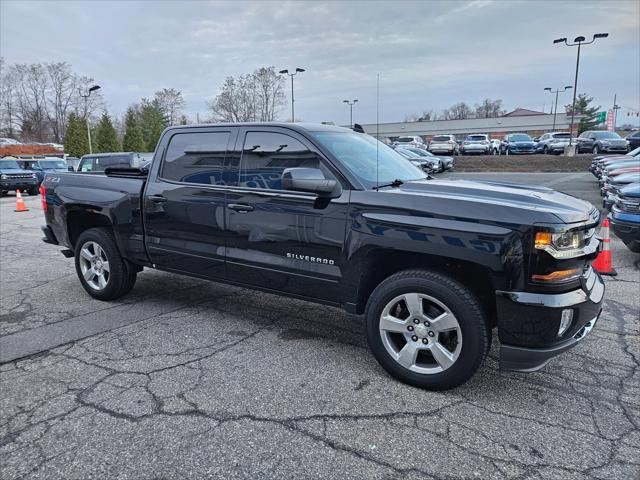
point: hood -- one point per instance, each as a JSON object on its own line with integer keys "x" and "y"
{"x": 15, "y": 170}
{"x": 503, "y": 201}
{"x": 631, "y": 190}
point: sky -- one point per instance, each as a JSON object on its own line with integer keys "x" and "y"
{"x": 429, "y": 54}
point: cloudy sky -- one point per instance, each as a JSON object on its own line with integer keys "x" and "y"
{"x": 429, "y": 54}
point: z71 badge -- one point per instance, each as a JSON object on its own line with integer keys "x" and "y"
{"x": 308, "y": 258}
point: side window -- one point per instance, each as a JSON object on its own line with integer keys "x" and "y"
{"x": 86, "y": 165}
{"x": 196, "y": 157}
{"x": 265, "y": 155}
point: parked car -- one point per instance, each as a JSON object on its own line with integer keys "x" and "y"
{"x": 597, "y": 141}
{"x": 72, "y": 163}
{"x": 410, "y": 141}
{"x": 553, "y": 143}
{"x": 443, "y": 144}
{"x": 429, "y": 165}
{"x": 97, "y": 162}
{"x": 495, "y": 146}
{"x": 335, "y": 217}
{"x": 610, "y": 189}
{"x": 446, "y": 162}
{"x": 633, "y": 139}
{"x": 517, "y": 143}
{"x": 613, "y": 163}
{"x": 476, "y": 143}
{"x": 14, "y": 177}
{"x": 43, "y": 166}
{"x": 5, "y": 142}
{"x": 625, "y": 216}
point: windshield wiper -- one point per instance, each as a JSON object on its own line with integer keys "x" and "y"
{"x": 396, "y": 183}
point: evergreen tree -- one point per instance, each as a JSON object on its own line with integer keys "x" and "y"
{"x": 76, "y": 142}
{"x": 583, "y": 102}
{"x": 153, "y": 121}
{"x": 133, "y": 140}
{"x": 106, "y": 138}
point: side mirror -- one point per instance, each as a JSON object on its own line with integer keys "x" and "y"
{"x": 310, "y": 180}
{"x": 70, "y": 168}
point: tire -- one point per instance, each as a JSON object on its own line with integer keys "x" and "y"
{"x": 460, "y": 349}
{"x": 117, "y": 280}
{"x": 33, "y": 191}
{"x": 545, "y": 150}
{"x": 596, "y": 150}
{"x": 506, "y": 151}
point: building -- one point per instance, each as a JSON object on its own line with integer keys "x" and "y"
{"x": 518, "y": 121}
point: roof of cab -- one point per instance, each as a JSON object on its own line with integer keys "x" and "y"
{"x": 303, "y": 126}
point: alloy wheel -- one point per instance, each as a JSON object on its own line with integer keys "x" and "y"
{"x": 420, "y": 333}
{"x": 94, "y": 265}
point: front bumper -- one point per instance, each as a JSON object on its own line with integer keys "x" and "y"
{"x": 18, "y": 184}
{"x": 528, "y": 323}
{"x": 614, "y": 148}
{"x": 627, "y": 228}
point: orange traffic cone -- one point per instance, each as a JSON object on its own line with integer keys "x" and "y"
{"x": 603, "y": 262}
{"x": 20, "y": 206}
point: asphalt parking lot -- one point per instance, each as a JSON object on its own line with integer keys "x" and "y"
{"x": 189, "y": 379}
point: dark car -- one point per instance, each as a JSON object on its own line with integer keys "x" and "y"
{"x": 625, "y": 216}
{"x": 634, "y": 140}
{"x": 44, "y": 166}
{"x": 14, "y": 177}
{"x": 329, "y": 215}
{"x": 517, "y": 143}
{"x": 98, "y": 162}
{"x": 600, "y": 141}
{"x": 429, "y": 165}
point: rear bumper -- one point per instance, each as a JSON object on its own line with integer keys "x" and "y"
{"x": 49, "y": 236}
{"x": 528, "y": 323}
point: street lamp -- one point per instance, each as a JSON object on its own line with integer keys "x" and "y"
{"x": 351, "y": 104}
{"x": 555, "y": 111}
{"x": 286, "y": 72}
{"x": 86, "y": 94}
{"x": 579, "y": 41}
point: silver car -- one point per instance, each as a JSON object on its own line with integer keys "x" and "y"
{"x": 443, "y": 144}
{"x": 553, "y": 142}
{"x": 476, "y": 143}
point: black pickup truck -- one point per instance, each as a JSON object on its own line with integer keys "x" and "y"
{"x": 333, "y": 216}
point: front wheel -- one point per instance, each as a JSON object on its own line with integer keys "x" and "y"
{"x": 101, "y": 269}
{"x": 545, "y": 150}
{"x": 596, "y": 150}
{"x": 426, "y": 329}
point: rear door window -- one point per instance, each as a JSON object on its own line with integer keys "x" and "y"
{"x": 196, "y": 157}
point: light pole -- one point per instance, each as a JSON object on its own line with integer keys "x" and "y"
{"x": 286, "y": 72}
{"x": 555, "y": 111}
{"x": 579, "y": 41}
{"x": 86, "y": 94}
{"x": 351, "y": 104}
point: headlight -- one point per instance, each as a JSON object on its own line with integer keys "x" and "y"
{"x": 3, "y": 176}
{"x": 568, "y": 244}
{"x": 33, "y": 175}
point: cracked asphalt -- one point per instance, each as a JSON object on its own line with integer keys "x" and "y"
{"x": 189, "y": 379}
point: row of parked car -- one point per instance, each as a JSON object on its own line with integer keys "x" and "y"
{"x": 591, "y": 141}
{"x": 619, "y": 180}
{"x": 27, "y": 173}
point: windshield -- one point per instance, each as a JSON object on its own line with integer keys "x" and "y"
{"x": 357, "y": 152}
{"x": 519, "y": 138}
{"x": 606, "y": 135}
{"x": 52, "y": 164}
{"x": 476, "y": 138}
{"x": 9, "y": 164}
{"x": 561, "y": 135}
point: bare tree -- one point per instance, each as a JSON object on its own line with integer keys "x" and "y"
{"x": 489, "y": 108}
{"x": 95, "y": 104}
{"x": 9, "y": 80}
{"x": 31, "y": 101}
{"x": 172, "y": 103}
{"x": 249, "y": 97}
{"x": 458, "y": 111}
{"x": 62, "y": 87}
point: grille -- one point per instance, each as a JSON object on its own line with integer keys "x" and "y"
{"x": 628, "y": 205}
{"x": 18, "y": 175}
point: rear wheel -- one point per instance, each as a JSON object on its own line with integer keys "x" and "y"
{"x": 101, "y": 269}
{"x": 596, "y": 150}
{"x": 426, "y": 329}
{"x": 545, "y": 150}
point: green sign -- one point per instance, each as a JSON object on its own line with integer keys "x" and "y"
{"x": 602, "y": 117}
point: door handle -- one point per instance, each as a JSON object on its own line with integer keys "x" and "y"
{"x": 157, "y": 199}
{"x": 240, "y": 207}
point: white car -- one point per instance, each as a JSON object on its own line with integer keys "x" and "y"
{"x": 476, "y": 143}
{"x": 495, "y": 146}
{"x": 410, "y": 141}
{"x": 553, "y": 142}
{"x": 443, "y": 144}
